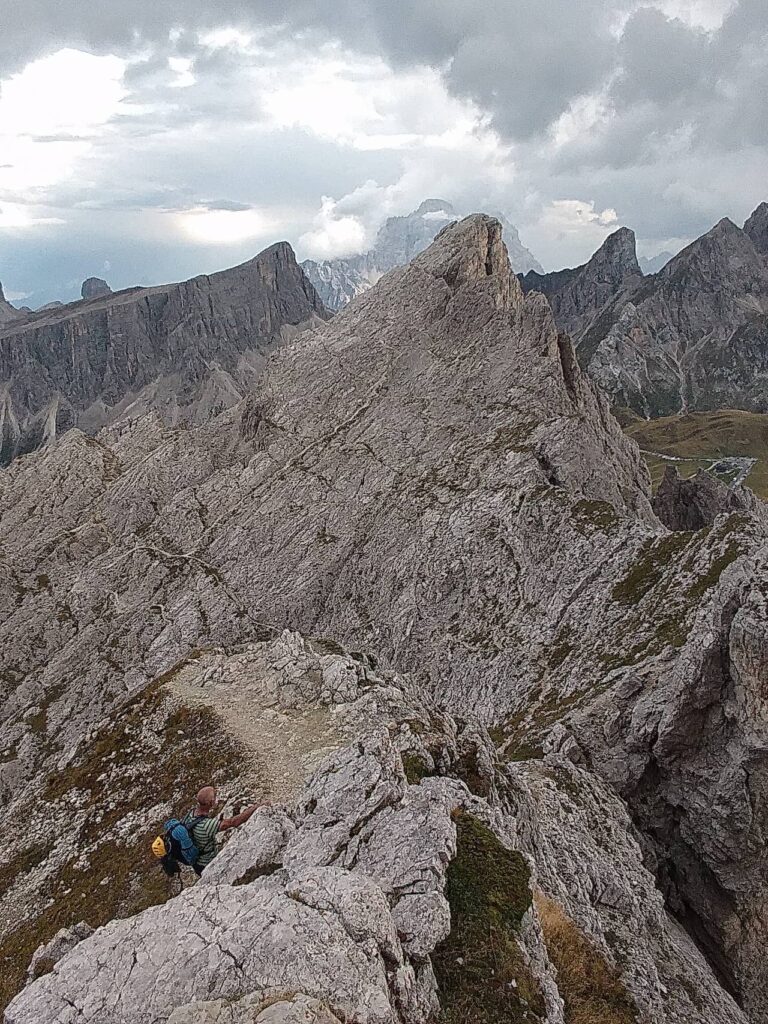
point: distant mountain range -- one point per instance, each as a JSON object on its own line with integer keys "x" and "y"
{"x": 694, "y": 336}
{"x": 186, "y": 350}
{"x": 654, "y": 264}
{"x": 691, "y": 337}
{"x": 338, "y": 281}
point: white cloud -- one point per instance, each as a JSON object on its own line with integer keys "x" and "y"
{"x": 334, "y": 233}
{"x": 49, "y": 113}
{"x": 16, "y": 215}
{"x": 68, "y": 92}
{"x": 573, "y": 228}
{"x": 706, "y": 14}
{"x": 182, "y": 69}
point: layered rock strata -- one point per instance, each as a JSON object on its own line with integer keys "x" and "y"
{"x": 430, "y": 477}
{"x": 186, "y": 350}
{"x": 694, "y": 336}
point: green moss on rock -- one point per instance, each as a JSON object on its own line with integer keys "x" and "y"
{"x": 712, "y": 577}
{"x": 652, "y": 565}
{"x": 414, "y": 767}
{"x": 481, "y": 970}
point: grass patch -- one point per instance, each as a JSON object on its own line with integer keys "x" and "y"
{"x": 715, "y": 571}
{"x": 112, "y": 877}
{"x": 414, "y": 767}
{"x": 480, "y": 968}
{"x": 590, "y": 987}
{"x": 703, "y": 436}
{"x": 655, "y": 558}
{"x": 595, "y": 515}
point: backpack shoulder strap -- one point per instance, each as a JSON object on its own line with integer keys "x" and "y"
{"x": 193, "y": 819}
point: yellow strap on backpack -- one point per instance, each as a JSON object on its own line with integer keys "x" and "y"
{"x": 158, "y": 847}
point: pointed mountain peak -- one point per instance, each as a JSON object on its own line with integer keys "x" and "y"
{"x": 617, "y": 255}
{"x": 756, "y": 227}
{"x": 278, "y": 252}
{"x": 2, "y": 293}
{"x": 716, "y": 248}
{"x": 725, "y": 228}
{"x": 470, "y": 251}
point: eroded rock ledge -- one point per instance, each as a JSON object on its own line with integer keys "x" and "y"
{"x": 411, "y": 850}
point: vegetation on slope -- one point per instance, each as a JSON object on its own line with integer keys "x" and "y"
{"x": 591, "y": 989}
{"x": 701, "y": 437}
{"x": 155, "y": 751}
{"x": 481, "y": 971}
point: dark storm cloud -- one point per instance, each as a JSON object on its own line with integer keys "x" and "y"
{"x": 679, "y": 138}
{"x": 522, "y": 61}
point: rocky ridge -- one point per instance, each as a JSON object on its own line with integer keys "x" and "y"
{"x": 350, "y": 903}
{"x": 696, "y": 503}
{"x": 399, "y": 240}
{"x": 431, "y": 477}
{"x": 186, "y": 350}
{"x": 692, "y": 337}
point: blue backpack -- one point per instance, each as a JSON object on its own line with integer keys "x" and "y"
{"x": 178, "y": 839}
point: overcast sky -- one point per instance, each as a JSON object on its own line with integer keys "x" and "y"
{"x": 149, "y": 140}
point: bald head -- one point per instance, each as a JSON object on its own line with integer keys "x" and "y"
{"x": 206, "y": 799}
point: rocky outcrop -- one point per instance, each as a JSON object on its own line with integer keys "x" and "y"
{"x": 697, "y": 502}
{"x": 756, "y": 227}
{"x": 429, "y": 477}
{"x": 187, "y": 350}
{"x": 692, "y": 337}
{"x": 94, "y": 288}
{"x": 399, "y": 240}
{"x": 576, "y": 296}
{"x": 355, "y": 902}
{"x": 8, "y": 313}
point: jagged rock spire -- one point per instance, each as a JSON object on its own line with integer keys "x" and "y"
{"x": 756, "y": 226}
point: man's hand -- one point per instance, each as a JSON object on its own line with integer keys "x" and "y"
{"x": 241, "y": 818}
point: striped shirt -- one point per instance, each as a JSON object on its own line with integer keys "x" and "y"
{"x": 204, "y": 833}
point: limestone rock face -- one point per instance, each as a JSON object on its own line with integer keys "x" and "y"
{"x": 399, "y": 240}
{"x": 344, "y": 918}
{"x": 693, "y": 504}
{"x": 576, "y": 295}
{"x": 432, "y": 492}
{"x": 186, "y": 349}
{"x": 757, "y": 228}
{"x": 692, "y": 337}
{"x": 94, "y": 288}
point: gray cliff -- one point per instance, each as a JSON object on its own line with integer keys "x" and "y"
{"x": 183, "y": 349}
{"x": 412, "y": 588}
{"x": 693, "y": 336}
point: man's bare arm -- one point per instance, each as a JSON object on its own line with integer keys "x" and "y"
{"x": 239, "y": 819}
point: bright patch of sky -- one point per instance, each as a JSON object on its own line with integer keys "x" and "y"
{"x": 185, "y": 145}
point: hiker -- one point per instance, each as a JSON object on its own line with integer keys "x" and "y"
{"x": 203, "y": 826}
{"x": 192, "y": 841}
